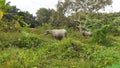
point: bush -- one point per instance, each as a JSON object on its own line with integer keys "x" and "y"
{"x": 70, "y": 48}
{"x": 29, "y": 42}
{"x": 115, "y": 65}
{"x": 115, "y": 30}
{"x": 100, "y": 35}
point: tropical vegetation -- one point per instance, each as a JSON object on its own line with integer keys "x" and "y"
{"x": 24, "y": 45}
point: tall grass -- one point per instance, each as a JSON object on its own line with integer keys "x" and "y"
{"x": 76, "y": 51}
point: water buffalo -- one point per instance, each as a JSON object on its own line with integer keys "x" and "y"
{"x": 87, "y": 33}
{"x": 57, "y": 33}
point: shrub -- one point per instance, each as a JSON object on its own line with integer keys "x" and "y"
{"x": 69, "y": 48}
{"x": 115, "y": 65}
{"x": 29, "y": 42}
{"x": 116, "y": 27}
{"x": 100, "y": 35}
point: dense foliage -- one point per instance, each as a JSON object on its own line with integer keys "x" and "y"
{"x": 24, "y": 45}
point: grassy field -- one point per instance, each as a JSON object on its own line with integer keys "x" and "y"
{"x": 33, "y": 49}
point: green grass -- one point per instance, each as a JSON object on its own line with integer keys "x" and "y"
{"x": 74, "y": 52}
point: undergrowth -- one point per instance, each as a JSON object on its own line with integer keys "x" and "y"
{"x": 31, "y": 49}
